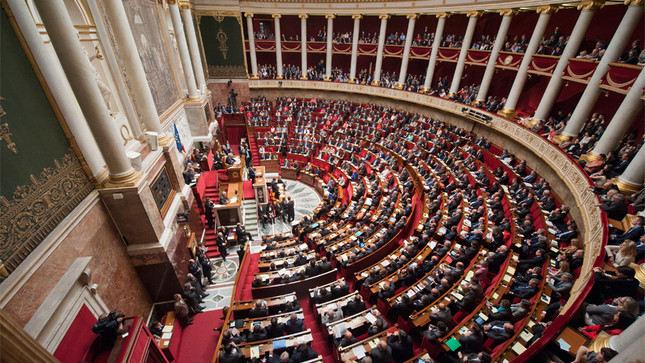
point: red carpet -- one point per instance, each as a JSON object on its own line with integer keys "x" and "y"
{"x": 249, "y": 193}
{"x": 198, "y": 341}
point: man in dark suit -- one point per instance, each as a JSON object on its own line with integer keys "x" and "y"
{"x": 259, "y": 310}
{"x": 240, "y": 230}
{"x": 274, "y": 329}
{"x": 230, "y": 354}
{"x": 386, "y": 292}
{"x": 257, "y": 334}
{"x": 616, "y": 207}
{"x": 609, "y": 287}
{"x": 325, "y": 265}
{"x": 339, "y": 289}
{"x": 223, "y": 199}
{"x": 221, "y": 245}
{"x": 312, "y": 269}
{"x": 291, "y": 209}
{"x": 499, "y": 331}
{"x": 382, "y": 353}
{"x": 303, "y": 353}
{"x": 294, "y": 325}
{"x": 208, "y": 212}
{"x": 401, "y": 344}
{"x": 525, "y": 291}
{"x": 355, "y": 306}
{"x": 633, "y": 234}
{"x": 441, "y": 313}
{"x": 347, "y": 339}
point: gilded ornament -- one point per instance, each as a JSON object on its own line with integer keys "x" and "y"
{"x": 222, "y": 38}
{"x": 5, "y": 134}
{"x": 547, "y": 9}
{"x": 587, "y": 5}
{"x": 509, "y": 12}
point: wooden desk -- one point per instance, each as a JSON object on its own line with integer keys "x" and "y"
{"x": 265, "y": 321}
{"x": 300, "y": 286}
{"x": 346, "y": 354}
{"x": 260, "y": 185}
{"x": 358, "y": 324}
{"x": 274, "y": 304}
{"x": 235, "y": 171}
{"x": 257, "y": 349}
{"x": 572, "y": 338}
{"x": 168, "y": 330}
{"x": 230, "y": 214}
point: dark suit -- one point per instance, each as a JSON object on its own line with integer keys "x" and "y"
{"x": 382, "y": 356}
{"x": 296, "y": 326}
{"x": 223, "y": 199}
{"x": 233, "y": 357}
{"x": 274, "y": 331}
{"x": 615, "y": 210}
{"x": 354, "y": 308}
{"x": 633, "y": 234}
{"x": 402, "y": 350}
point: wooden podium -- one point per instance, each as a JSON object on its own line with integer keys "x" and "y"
{"x": 235, "y": 172}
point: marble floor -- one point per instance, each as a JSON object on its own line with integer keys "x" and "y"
{"x": 306, "y": 200}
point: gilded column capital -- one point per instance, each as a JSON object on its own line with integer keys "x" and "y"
{"x": 173, "y": 2}
{"x": 303, "y": 16}
{"x": 357, "y": 16}
{"x": 547, "y": 9}
{"x": 249, "y": 15}
{"x": 509, "y": 12}
{"x": 413, "y": 16}
{"x": 442, "y": 15}
{"x": 276, "y": 16}
{"x": 384, "y": 16}
{"x": 634, "y": 2}
{"x": 591, "y": 5}
{"x": 184, "y": 5}
{"x": 330, "y": 16}
{"x": 474, "y": 14}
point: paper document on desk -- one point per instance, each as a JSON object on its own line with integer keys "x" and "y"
{"x": 166, "y": 335}
{"x": 167, "y": 328}
{"x": 339, "y": 330}
{"x": 234, "y": 199}
{"x": 359, "y": 351}
{"x": 254, "y": 351}
{"x": 371, "y": 318}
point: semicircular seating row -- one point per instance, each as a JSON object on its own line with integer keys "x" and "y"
{"x": 412, "y": 208}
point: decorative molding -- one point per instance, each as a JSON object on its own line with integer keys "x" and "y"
{"x": 547, "y": 9}
{"x": 474, "y": 14}
{"x": 412, "y": 16}
{"x": 276, "y": 16}
{"x": 591, "y": 5}
{"x": 384, "y": 16}
{"x": 443, "y": 15}
{"x": 357, "y": 16}
{"x": 330, "y": 16}
{"x": 35, "y": 210}
{"x": 303, "y": 16}
{"x": 634, "y": 2}
{"x": 509, "y": 12}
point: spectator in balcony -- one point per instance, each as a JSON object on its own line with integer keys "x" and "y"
{"x": 603, "y": 356}
{"x": 608, "y": 287}
{"x": 616, "y": 207}
{"x": 622, "y": 255}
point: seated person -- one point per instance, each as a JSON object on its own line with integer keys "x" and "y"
{"x": 499, "y": 331}
{"x": 302, "y": 353}
{"x": 347, "y": 339}
{"x": 331, "y": 316}
{"x": 584, "y": 354}
{"x": 294, "y": 325}
{"x": 257, "y": 334}
{"x": 275, "y": 329}
{"x": 355, "y": 306}
{"x": 259, "y": 310}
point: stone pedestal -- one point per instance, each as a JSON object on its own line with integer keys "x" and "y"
{"x": 198, "y": 115}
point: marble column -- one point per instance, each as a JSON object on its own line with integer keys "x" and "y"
{"x": 632, "y": 179}
{"x": 436, "y": 43}
{"x": 614, "y": 50}
{"x": 254, "y": 57}
{"x": 194, "y": 47}
{"x": 330, "y": 46}
{"x": 623, "y": 118}
{"x": 89, "y": 153}
{"x": 379, "y": 51}
{"x": 588, "y": 8}
{"x": 134, "y": 69}
{"x": 507, "y": 16}
{"x": 465, "y": 45}
{"x": 278, "y": 45}
{"x": 82, "y": 78}
{"x": 403, "y": 73}
{"x": 184, "y": 55}
{"x": 303, "y": 44}
{"x": 545, "y": 12}
{"x": 357, "y": 27}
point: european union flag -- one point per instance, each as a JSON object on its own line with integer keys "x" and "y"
{"x": 180, "y": 146}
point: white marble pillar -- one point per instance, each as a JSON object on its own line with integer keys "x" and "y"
{"x": 330, "y": 46}
{"x": 403, "y": 73}
{"x": 588, "y": 8}
{"x": 614, "y": 50}
{"x": 379, "y": 51}
{"x": 465, "y": 45}
{"x": 507, "y": 16}
{"x": 545, "y": 12}
{"x": 623, "y": 118}
{"x": 184, "y": 55}
{"x": 436, "y": 43}
{"x": 278, "y": 46}
{"x": 303, "y": 44}
{"x": 194, "y": 47}
{"x": 134, "y": 69}
{"x": 82, "y": 78}
{"x": 69, "y": 108}
{"x": 357, "y": 27}
{"x": 633, "y": 177}
{"x": 254, "y": 57}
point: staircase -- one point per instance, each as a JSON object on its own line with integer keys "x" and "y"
{"x": 209, "y": 237}
{"x": 254, "y": 150}
{"x": 251, "y": 218}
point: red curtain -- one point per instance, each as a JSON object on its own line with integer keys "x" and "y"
{"x": 235, "y": 133}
